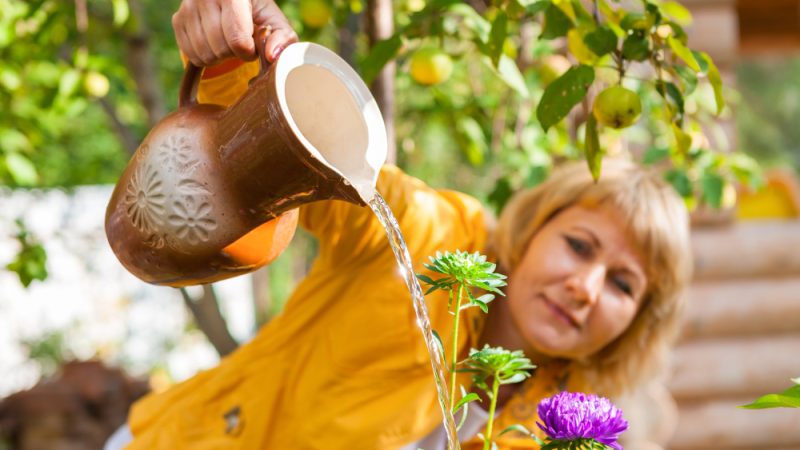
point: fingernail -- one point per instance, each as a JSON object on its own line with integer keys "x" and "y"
{"x": 276, "y": 52}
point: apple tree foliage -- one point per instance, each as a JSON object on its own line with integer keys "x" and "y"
{"x": 520, "y": 96}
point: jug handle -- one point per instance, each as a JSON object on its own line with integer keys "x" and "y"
{"x": 191, "y": 76}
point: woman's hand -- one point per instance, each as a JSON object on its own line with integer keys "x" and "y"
{"x": 209, "y": 31}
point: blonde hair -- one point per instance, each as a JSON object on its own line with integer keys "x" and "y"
{"x": 658, "y": 221}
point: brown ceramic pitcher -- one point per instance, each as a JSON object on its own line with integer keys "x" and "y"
{"x": 212, "y": 192}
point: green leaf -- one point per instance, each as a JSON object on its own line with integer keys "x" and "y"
{"x": 688, "y": 78}
{"x": 500, "y": 194}
{"x": 472, "y": 20}
{"x": 774, "y": 401}
{"x": 601, "y": 41}
{"x": 485, "y": 298}
{"x": 682, "y": 140}
{"x": 476, "y": 146}
{"x": 7, "y": 34}
{"x": 745, "y": 169}
{"x": 515, "y": 378}
{"x": 516, "y": 9}
{"x": 425, "y": 279}
{"x": 716, "y": 81}
{"x": 713, "y": 185}
{"x": 677, "y": 12}
{"x": 10, "y": 79}
{"x": 680, "y": 181}
{"x": 698, "y": 56}
{"x": 635, "y": 21}
{"x": 683, "y": 53}
{"x": 563, "y": 94}
{"x": 31, "y": 261}
{"x": 636, "y": 47}
{"x": 121, "y": 12}
{"x": 515, "y": 427}
{"x": 471, "y": 397}
{"x": 556, "y": 23}
{"x": 439, "y": 342}
{"x": 21, "y": 169}
{"x": 789, "y": 398}
{"x": 497, "y": 37}
{"x": 508, "y": 71}
{"x": 12, "y": 140}
{"x": 670, "y": 91}
{"x": 537, "y": 7}
{"x": 583, "y": 18}
{"x": 68, "y": 83}
{"x": 593, "y": 153}
{"x": 654, "y": 154}
{"x": 380, "y": 54}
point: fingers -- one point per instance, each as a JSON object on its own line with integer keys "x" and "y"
{"x": 209, "y": 37}
{"x": 266, "y": 12}
{"x": 237, "y": 27}
{"x": 208, "y": 31}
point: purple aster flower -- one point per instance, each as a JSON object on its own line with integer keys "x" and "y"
{"x": 571, "y": 416}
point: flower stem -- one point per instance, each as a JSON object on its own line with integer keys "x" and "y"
{"x": 487, "y": 439}
{"x": 455, "y": 348}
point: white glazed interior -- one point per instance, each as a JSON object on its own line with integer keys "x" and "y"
{"x": 333, "y": 113}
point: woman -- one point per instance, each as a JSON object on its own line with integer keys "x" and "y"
{"x": 593, "y": 298}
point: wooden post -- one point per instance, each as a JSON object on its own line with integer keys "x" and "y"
{"x": 747, "y": 250}
{"x": 747, "y": 366}
{"x": 742, "y": 308}
{"x": 722, "y": 425}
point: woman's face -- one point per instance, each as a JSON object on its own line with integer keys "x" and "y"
{"x": 579, "y": 284}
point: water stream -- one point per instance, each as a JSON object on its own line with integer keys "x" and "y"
{"x": 389, "y": 222}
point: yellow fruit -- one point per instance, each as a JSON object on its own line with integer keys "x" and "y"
{"x": 617, "y": 107}
{"x": 415, "y": 5}
{"x": 430, "y": 65}
{"x": 96, "y": 84}
{"x": 315, "y": 13}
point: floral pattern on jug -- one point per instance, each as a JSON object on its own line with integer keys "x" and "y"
{"x": 174, "y": 208}
{"x": 144, "y": 199}
{"x": 192, "y": 220}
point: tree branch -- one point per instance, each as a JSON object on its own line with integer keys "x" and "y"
{"x": 124, "y": 132}
{"x": 209, "y": 318}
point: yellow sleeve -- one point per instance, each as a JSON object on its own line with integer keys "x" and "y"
{"x": 430, "y": 220}
{"x": 224, "y": 89}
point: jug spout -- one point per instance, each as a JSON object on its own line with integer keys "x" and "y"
{"x": 318, "y": 134}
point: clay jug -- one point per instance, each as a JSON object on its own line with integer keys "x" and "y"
{"x": 212, "y": 192}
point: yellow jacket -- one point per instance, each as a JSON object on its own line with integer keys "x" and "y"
{"x": 344, "y": 366}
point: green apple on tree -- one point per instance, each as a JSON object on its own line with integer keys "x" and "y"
{"x": 617, "y": 107}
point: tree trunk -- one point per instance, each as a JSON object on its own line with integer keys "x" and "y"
{"x": 140, "y": 65}
{"x": 209, "y": 318}
{"x": 347, "y": 38}
{"x": 380, "y": 25}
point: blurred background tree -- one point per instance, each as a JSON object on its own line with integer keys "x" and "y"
{"x": 767, "y": 112}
